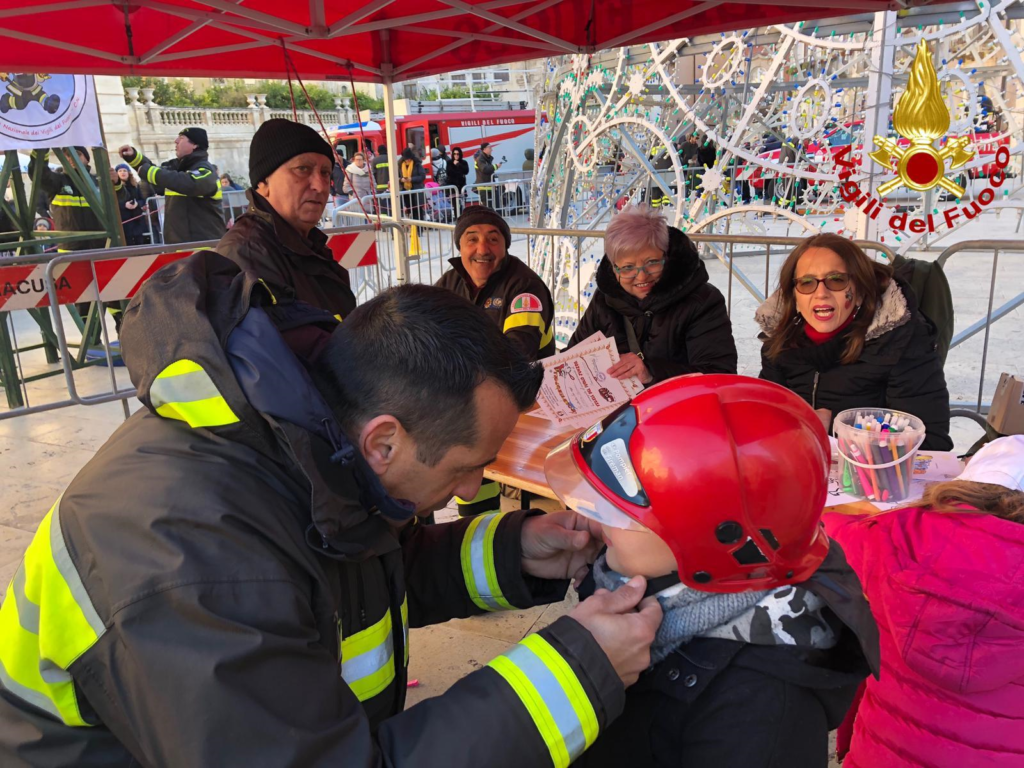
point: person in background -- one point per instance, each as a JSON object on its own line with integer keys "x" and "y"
{"x": 411, "y": 176}
{"x": 707, "y": 153}
{"x": 228, "y": 184}
{"x": 290, "y": 168}
{"x": 358, "y": 183}
{"x": 438, "y": 165}
{"x": 654, "y": 298}
{"x": 457, "y": 169}
{"x": 69, "y": 208}
{"x": 131, "y": 204}
{"x": 511, "y": 294}
{"x": 528, "y": 162}
{"x": 192, "y": 208}
{"x": 766, "y": 634}
{"x": 842, "y": 332}
{"x": 483, "y": 163}
{"x": 943, "y": 578}
{"x": 380, "y": 167}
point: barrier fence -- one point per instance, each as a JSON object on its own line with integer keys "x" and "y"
{"x": 417, "y": 251}
{"x": 41, "y": 285}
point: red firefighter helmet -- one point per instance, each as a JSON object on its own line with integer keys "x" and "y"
{"x": 731, "y": 472}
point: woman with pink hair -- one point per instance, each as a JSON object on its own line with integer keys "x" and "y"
{"x": 653, "y": 297}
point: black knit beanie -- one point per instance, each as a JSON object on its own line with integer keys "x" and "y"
{"x": 197, "y": 136}
{"x": 277, "y": 141}
{"x": 481, "y": 214}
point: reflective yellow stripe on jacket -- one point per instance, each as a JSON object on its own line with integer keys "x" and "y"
{"x": 553, "y": 695}
{"x": 46, "y": 622}
{"x": 70, "y": 201}
{"x": 478, "y": 563}
{"x": 368, "y": 656}
{"x": 184, "y": 391}
{"x": 535, "y": 319}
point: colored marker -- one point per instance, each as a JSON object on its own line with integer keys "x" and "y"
{"x": 865, "y": 481}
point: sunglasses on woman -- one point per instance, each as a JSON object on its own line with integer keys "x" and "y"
{"x": 807, "y": 284}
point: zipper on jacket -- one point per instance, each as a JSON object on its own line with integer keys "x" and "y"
{"x": 361, "y": 596}
{"x": 814, "y": 390}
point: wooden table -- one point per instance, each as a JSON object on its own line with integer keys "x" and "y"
{"x": 521, "y": 461}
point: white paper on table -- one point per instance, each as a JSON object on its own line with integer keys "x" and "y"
{"x": 577, "y": 391}
{"x": 929, "y": 467}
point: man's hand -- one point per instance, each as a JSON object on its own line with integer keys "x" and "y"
{"x": 630, "y": 364}
{"x": 127, "y": 152}
{"x": 622, "y": 629}
{"x": 560, "y": 545}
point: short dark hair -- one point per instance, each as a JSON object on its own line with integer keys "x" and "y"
{"x": 382, "y": 149}
{"x": 418, "y": 353}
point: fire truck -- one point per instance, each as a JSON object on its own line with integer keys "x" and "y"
{"x": 510, "y": 133}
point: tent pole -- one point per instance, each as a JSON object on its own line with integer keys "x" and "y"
{"x": 394, "y": 157}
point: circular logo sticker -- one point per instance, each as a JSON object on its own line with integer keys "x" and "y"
{"x": 38, "y": 108}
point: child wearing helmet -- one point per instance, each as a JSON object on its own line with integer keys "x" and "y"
{"x": 712, "y": 487}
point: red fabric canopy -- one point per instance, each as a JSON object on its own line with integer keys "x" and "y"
{"x": 374, "y": 39}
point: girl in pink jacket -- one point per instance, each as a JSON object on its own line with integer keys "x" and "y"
{"x": 945, "y": 581}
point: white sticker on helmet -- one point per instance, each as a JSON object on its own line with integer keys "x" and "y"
{"x": 616, "y": 455}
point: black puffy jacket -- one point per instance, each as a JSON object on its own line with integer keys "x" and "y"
{"x": 898, "y": 369}
{"x": 241, "y": 595}
{"x": 723, "y": 704}
{"x": 682, "y": 326}
{"x": 268, "y": 245}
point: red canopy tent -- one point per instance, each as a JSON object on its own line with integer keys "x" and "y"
{"x": 369, "y": 40}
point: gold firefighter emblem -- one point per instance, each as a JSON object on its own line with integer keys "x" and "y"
{"x": 922, "y": 117}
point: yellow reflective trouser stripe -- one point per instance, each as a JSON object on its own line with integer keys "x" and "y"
{"x": 367, "y": 659}
{"x": 487, "y": 491}
{"x": 405, "y": 627}
{"x": 47, "y": 621}
{"x": 535, "y": 319}
{"x": 70, "y": 201}
{"x": 553, "y": 695}
{"x": 184, "y": 391}
{"x": 478, "y": 563}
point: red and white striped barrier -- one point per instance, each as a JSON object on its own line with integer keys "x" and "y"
{"x": 24, "y": 287}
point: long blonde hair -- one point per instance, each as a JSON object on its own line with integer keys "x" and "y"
{"x": 985, "y": 497}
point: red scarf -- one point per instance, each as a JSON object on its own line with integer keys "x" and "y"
{"x": 820, "y": 338}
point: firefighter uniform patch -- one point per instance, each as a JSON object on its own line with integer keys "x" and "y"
{"x": 526, "y": 302}
{"x": 494, "y": 302}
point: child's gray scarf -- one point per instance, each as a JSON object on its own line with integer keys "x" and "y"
{"x": 782, "y": 616}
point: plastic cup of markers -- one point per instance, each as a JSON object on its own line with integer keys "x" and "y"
{"x": 876, "y": 452}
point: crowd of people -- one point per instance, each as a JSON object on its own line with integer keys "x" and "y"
{"x": 231, "y": 580}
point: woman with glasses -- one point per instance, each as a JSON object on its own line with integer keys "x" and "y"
{"x": 842, "y": 332}
{"x": 653, "y": 297}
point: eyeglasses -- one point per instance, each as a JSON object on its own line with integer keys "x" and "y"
{"x": 652, "y": 268}
{"x": 807, "y": 284}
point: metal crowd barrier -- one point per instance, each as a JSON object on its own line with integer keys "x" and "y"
{"x": 52, "y": 271}
{"x": 233, "y": 204}
{"x": 418, "y": 251}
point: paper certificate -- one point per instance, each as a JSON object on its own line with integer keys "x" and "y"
{"x": 577, "y": 391}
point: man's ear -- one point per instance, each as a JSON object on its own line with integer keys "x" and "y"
{"x": 263, "y": 188}
{"x": 378, "y": 439}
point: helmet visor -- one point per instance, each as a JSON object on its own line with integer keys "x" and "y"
{"x": 601, "y": 451}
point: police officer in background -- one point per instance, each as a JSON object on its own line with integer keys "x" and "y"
{"x": 192, "y": 209}
{"x": 511, "y": 294}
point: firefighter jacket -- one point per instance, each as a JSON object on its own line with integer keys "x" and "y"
{"x": 381, "y": 166}
{"x": 227, "y": 583}
{"x": 263, "y": 242}
{"x": 192, "y": 196}
{"x": 515, "y": 298}
{"x": 69, "y": 208}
